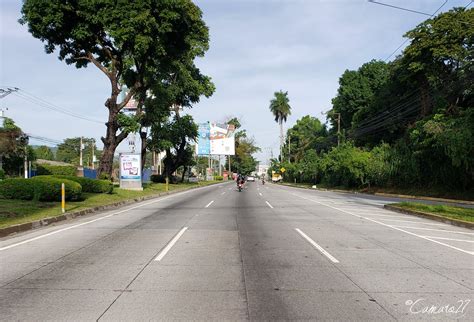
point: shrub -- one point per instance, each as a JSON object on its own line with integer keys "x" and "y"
{"x": 49, "y": 189}
{"x": 57, "y": 170}
{"x": 17, "y": 188}
{"x": 2, "y": 174}
{"x": 105, "y": 176}
{"x": 39, "y": 188}
{"x": 218, "y": 178}
{"x": 91, "y": 185}
{"x": 157, "y": 178}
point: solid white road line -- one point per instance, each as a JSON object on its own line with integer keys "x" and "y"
{"x": 442, "y": 230}
{"x": 410, "y": 221}
{"x": 312, "y": 242}
{"x": 260, "y": 194}
{"x": 444, "y": 238}
{"x": 393, "y": 227}
{"x": 170, "y": 244}
{"x": 209, "y": 204}
{"x": 223, "y": 193}
{"x": 94, "y": 220}
{"x": 269, "y": 204}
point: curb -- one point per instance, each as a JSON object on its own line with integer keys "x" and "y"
{"x": 454, "y": 201}
{"x": 454, "y": 222}
{"x": 4, "y": 232}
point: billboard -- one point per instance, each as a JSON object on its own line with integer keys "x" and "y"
{"x": 216, "y": 139}
{"x": 203, "y": 142}
{"x": 222, "y": 139}
{"x": 130, "y": 168}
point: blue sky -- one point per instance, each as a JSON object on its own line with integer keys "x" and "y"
{"x": 257, "y": 47}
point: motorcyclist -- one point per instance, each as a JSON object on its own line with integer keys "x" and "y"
{"x": 263, "y": 178}
{"x": 240, "y": 180}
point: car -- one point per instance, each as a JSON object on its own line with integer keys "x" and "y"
{"x": 251, "y": 178}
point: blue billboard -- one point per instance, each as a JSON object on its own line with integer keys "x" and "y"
{"x": 204, "y": 143}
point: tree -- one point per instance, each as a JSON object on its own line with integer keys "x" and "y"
{"x": 13, "y": 148}
{"x": 357, "y": 90}
{"x": 129, "y": 41}
{"x": 307, "y": 134}
{"x": 44, "y": 152}
{"x": 69, "y": 150}
{"x": 173, "y": 136}
{"x": 281, "y": 109}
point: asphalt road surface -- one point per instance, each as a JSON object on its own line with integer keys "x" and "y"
{"x": 269, "y": 252}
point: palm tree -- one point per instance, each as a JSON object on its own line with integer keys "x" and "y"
{"x": 280, "y": 107}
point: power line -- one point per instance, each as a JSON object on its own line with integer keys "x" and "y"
{"x": 43, "y": 139}
{"x": 48, "y": 105}
{"x": 406, "y": 9}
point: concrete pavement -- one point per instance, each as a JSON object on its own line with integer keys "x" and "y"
{"x": 266, "y": 253}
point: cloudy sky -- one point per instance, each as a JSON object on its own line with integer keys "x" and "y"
{"x": 257, "y": 47}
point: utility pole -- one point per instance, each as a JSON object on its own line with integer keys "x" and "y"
{"x": 80, "y": 154}
{"x": 93, "y": 148}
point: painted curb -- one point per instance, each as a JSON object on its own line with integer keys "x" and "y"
{"x": 454, "y": 201}
{"x": 7, "y": 231}
{"x": 454, "y": 222}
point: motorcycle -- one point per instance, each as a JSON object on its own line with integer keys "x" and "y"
{"x": 240, "y": 185}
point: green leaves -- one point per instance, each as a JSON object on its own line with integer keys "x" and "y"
{"x": 280, "y": 106}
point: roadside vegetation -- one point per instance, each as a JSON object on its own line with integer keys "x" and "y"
{"x": 13, "y": 211}
{"x": 452, "y": 212}
{"x": 402, "y": 125}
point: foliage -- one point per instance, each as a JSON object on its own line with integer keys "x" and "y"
{"x": 2, "y": 174}
{"x": 57, "y": 170}
{"x": 280, "y": 106}
{"x": 218, "y": 178}
{"x": 39, "y": 188}
{"x": 139, "y": 44}
{"x": 90, "y": 185}
{"x": 345, "y": 165}
{"x": 44, "y": 152}
{"x": 69, "y": 150}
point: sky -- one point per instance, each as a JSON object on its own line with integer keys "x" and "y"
{"x": 257, "y": 47}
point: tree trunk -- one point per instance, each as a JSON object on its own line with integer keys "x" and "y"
{"x": 111, "y": 140}
{"x": 281, "y": 140}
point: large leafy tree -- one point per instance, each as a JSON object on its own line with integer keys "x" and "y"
{"x": 44, "y": 152}
{"x": 307, "y": 134}
{"x": 357, "y": 89}
{"x": 13, "y": 147}
{"x": 173, "y": 136}
{"x": 69, "y": 150}
{"x": 129, "y": 41}
{"x": 281, "y": 109}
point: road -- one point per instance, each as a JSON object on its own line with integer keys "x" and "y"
{"x": 269, "y": 252}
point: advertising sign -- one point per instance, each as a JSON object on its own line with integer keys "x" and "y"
{"x": 130, "y": 171}
{"x": 222, "y": 139}
{"x": 203, "y": 144}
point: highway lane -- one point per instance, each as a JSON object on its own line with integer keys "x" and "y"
{"x": 268, "y": 252}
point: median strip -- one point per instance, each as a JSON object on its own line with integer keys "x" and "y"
{"x": 322, "y": 250}
{"x": 170, "y": 244}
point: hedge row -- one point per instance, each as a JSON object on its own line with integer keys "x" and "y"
{"x": 56, "y": 170}
{"x": 39, "y": 188}
{"x": 91, "y": 185}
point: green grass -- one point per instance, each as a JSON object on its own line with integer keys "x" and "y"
{"x": 452, "y": 212}
{"x": 13, "y": 212}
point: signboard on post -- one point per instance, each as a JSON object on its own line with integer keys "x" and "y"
{"x": 130, "y": 171}
{"x": 222, "y": 139}
{"x": 203, "y": 143}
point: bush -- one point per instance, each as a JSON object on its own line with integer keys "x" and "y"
{"x": 39, "y": 188}
{"x": 56, "y": 170}
{"x": 91, "y": 185}
{"x": 105, "y": 176}
{"x": 218, "y": 178}
{"x": 2, "y": 174}
{"x": 157, "y": 178}
{"x": 17, "y": 188}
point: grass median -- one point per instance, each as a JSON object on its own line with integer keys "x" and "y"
{"x": 13, "y": 212}
{"x": 451, "y": 212}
